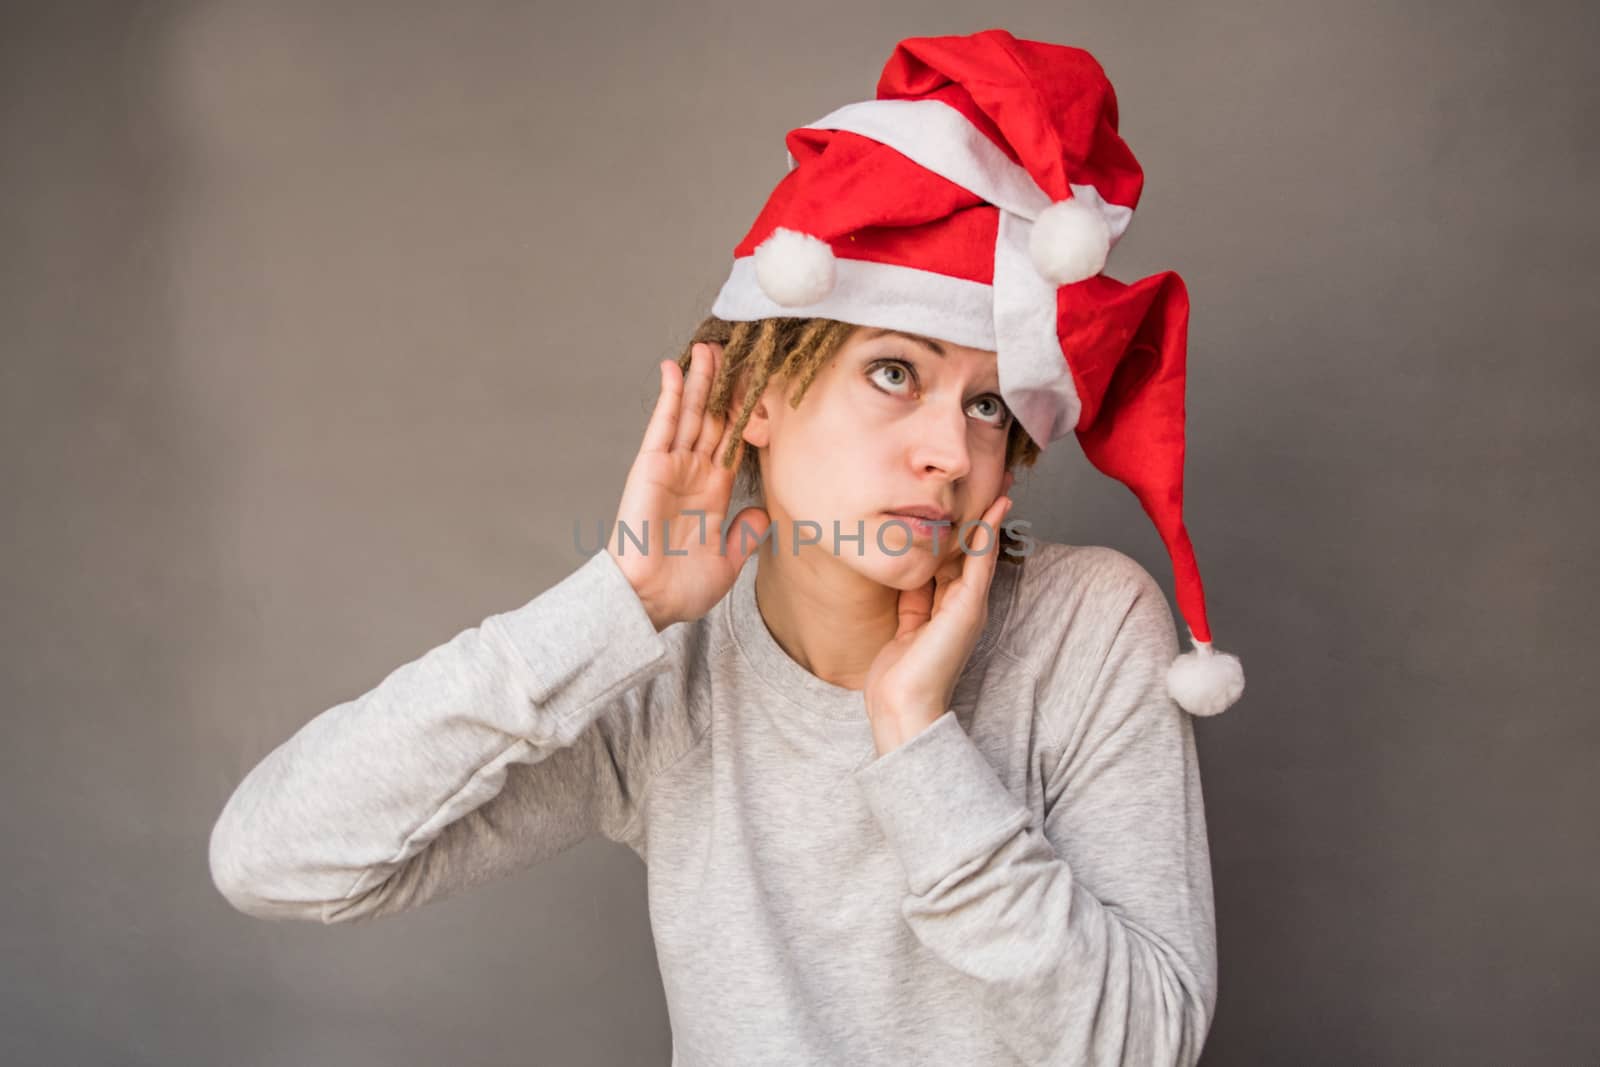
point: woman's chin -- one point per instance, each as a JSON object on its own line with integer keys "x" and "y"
{"x": 909, "y": 569}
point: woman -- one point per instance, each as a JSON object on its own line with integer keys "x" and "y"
{"x": 906, "y": 793}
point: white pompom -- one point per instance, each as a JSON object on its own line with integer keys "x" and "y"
{"x": 1205, "y": 682}
{"x": 794, "y": 268}
{"x": 1069, "y": 242}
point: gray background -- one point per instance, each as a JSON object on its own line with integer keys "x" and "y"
{"x": 322, "y": 323}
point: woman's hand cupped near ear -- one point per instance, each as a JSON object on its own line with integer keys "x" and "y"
{"x": 676, "y": 475}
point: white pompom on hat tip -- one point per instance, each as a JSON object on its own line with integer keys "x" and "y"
{"x": 1204, "y": 681}
{"x": 794, "y": 268}
{"x": 1069, "y": 242}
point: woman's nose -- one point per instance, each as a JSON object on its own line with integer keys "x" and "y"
{"x": 941, "y": 441}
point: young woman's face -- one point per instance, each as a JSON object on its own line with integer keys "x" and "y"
{"x": 887, "y": 424}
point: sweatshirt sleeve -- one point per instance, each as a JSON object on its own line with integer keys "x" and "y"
{"x": 1092, "y": 938}
{"x": 510, "y": 742}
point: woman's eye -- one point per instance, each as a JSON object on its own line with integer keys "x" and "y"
{"x": 900, "y": 374}
{"x": 998, "y": 414}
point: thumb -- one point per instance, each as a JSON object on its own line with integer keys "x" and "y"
{"x": 745, "y": 533}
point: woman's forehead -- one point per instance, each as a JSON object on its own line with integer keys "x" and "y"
{"x": 938, "y": 347}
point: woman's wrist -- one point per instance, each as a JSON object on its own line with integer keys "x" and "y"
{"x": 891, "y": 729}
{"x": 660, "y": 618}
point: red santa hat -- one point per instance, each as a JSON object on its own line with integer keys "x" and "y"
{"x": 976, "y": 200}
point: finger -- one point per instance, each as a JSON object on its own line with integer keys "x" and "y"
{"x": 914, "y": 609}
{"x": 977, "y": 560}
{"x": 664, "y": 419}
{"x": 709, "y": 443}
{"x": 986, "y": 530}
{"x": 694, "y": 399}
{"x": 978, "y": 569}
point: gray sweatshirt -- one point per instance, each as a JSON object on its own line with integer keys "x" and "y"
{"x": 1027, "y": 880}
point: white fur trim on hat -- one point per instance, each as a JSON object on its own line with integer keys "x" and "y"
{"x": 1205, "y": 682}
{"x": 795, "y": 268}
{"x": 1070, "y": 241}
{"x": 877, "y": 294}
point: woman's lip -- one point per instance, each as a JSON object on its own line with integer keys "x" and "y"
{"x": 920, "y": 527}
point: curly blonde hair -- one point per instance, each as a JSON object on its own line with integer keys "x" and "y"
{"x": 793, "y": 350}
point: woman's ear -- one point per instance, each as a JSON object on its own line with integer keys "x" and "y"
{"x": 758, "y": 429}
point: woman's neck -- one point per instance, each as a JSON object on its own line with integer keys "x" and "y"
{"x": 830, "y": 619}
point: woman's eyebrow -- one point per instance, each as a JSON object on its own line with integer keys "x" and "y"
{"x": 938, "y": 349}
